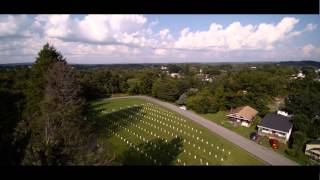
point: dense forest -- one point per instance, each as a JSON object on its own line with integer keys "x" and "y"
{"x": 44, "y": 107}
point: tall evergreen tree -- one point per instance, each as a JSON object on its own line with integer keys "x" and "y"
{"x": 60, "y": 134}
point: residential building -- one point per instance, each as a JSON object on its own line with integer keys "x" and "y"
{"x": 275, "y": 126}
{"x": 164, "y": 67}
{"x": 175, "y": 75}
{"x": 313, "y": 150}
{"x": 242, "y": 115}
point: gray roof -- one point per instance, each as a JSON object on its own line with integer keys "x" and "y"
{"x": 277, "y": 122}
{"x": 316, "y": 141}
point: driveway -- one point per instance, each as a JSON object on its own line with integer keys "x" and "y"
{"x": 263, "y": 153}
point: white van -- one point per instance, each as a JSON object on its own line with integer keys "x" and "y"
{"x": 183, "y": 107}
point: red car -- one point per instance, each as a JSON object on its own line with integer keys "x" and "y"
{"x": 274, "y": 143}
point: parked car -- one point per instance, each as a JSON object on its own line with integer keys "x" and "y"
{"x": 254, "y": 136}
{"x": 274, "y": 143}
{"x": 183, "y": 107}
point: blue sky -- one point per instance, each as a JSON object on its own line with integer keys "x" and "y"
{"x": 161, "y": 38}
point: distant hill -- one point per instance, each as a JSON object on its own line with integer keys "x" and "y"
{"x": 301, "y": 63}
{"x": 140, "y": 66}
{"x": 15, "y": 64}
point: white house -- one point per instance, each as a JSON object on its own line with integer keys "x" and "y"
{"x": 300, "y": 75}
{"x": 175, "y": 75}
{"x": 313, "y": 150}
{"x": 164, "y": 67}
{"x": 275, "y": 126}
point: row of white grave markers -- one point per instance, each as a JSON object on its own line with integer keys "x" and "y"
{"x": 135, "y": 147}
{"x": 173, "y": 127}
{"x": 164, "y": 130}
{"x": 156, "y": 108}
{"x": 165, "y": 113}
{"x": 183, "y": 125}
{"x": 161, "y": 130}
{"x": 189, "y": 142}
{"x": 141, "y": 138}
{"x": 173, "y": 121}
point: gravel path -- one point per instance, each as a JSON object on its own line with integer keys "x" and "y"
{"x": 257, "y": 150}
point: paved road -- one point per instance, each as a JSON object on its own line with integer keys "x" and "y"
{"x": 259, "y": 151}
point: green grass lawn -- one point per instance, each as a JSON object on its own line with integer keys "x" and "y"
{"x": 144, "y": 133}
{"x": 221, "y": 119}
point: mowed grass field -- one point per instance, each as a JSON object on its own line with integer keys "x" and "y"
{"x": 143, "y": 133}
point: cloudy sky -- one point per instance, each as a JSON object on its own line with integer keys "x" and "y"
{"x": 106, "y": 39}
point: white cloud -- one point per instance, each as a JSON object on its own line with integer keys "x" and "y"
{"x": 307, "y": 49}
{"x": 131, "y": 38}
{"x": 237, "y": 36}
{"x": 164, "y": 33}
{"x": 160, "y": 52}
{"x": 92, "y": 28}
{"x": 310, "y": 50}
{"x": 14, "y": 25}
{"x": 311, "y": 27}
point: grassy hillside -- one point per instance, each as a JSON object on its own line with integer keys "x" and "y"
{"x": 144, "y": 133}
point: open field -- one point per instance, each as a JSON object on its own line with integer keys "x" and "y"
{"x": 144, "y": 133}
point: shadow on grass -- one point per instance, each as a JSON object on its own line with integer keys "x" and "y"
{"x": 165, "y": 153}
{"x": 104, "y": 122}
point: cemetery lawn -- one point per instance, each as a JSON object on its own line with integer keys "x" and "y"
{"x": 143, "y": 133}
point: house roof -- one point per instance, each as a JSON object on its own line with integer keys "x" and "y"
{"x": 315, "y": 150}
{"x": 316, "y": 141}
{"x": 276, "y": 122}
{"x": 244, "y": 111}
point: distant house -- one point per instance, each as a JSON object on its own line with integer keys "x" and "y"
{"x": 300, "y": 75}
{"x": 164, "y": 67}
{"x": 275, "y": 126}
{"x": 313, "y": 150}
{"x": 205, "y": 77}
{"x": 253, "y": 67}
{"x": 243, "y": 115}
{"x": 175, "y": 75}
